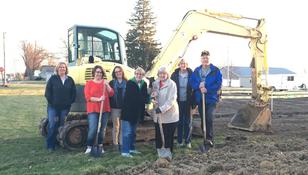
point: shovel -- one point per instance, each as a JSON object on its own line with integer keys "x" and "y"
{"x": 205, "y": 146}
{"x": 96, "y": 150}
{"x": 163, "y": 152}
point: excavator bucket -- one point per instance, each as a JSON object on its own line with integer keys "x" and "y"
{"x": 252, "y": 118}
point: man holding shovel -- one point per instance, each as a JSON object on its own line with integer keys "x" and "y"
{"x": 206, "y": 82}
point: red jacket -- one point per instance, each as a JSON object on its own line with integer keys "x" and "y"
{"x": 93, "y": 89}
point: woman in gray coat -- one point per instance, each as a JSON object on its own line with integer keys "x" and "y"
{"x": 165, "y": 100}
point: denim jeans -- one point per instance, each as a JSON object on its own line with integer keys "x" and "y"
{"x": 56, "y": 118}
{"x": 93, "y": 124}
{"x": 209, "y": 114}
{"x": 128, "y": 136}
{"x": 184, "y": 124}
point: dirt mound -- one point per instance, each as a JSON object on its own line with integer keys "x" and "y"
{"x": 285, "y": 151}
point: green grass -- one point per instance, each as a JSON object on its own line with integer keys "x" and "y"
{"x": 22, "y": 148}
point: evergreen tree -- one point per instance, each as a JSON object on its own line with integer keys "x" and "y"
{"x": 141, "y": 45}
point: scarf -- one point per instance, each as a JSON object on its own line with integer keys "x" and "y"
{"x": 140, "y": 84}
{"x": 117, "y": 85}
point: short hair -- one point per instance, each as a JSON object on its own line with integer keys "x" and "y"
{"x": 182, "y": 59}
{"x": 205, "y": 53}
{"x": 98, "y": 67}
{"x": 58, "y": 66}
{"x": 114, "y": 74}
{"x": 140, "y": 70}
{"x": 163, "y": 69}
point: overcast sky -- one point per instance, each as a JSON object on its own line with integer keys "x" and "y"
{"x": 47, "y": 21}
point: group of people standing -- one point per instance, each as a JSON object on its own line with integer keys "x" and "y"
{"x": 124, "y": 100}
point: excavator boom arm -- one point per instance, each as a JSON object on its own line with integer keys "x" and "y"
{"x": 196, "y": 23}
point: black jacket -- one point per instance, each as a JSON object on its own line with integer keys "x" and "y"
{"x": 134, "y": 102}
{"x": 58, "y": 95}
{"x": 175, "y": 78}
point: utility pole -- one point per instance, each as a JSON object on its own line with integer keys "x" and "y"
{"x": 4, "y": 78}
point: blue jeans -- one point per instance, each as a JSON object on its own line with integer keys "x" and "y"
{"x": 128, "y": 136}
{"x": 209, "y": 114}
{"x": 56, "y": 118}
{"x": 93, "y": 124}
{"x": 185, "y": 123}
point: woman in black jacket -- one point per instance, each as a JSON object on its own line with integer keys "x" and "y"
{"x": 184, "y": 98}
{"x": 60, "y": 94}
{"x": 135, "y": 98}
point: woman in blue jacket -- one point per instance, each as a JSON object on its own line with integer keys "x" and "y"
{"x": 206, "y": 79}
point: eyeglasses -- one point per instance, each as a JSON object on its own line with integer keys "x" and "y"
{"x": 98, "y": 72}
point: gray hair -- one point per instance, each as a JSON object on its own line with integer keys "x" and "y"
{"x": 140, "y": 70}
{"x": 163, "y": 69}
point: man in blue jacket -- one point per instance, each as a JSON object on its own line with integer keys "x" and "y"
{"x": 206, "y": 79}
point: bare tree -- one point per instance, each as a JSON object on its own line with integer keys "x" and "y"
{"x": 33, "y": 55}
{"x": 64, "y": 48}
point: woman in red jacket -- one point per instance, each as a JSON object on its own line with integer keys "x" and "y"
{"x": 94, "y": 96}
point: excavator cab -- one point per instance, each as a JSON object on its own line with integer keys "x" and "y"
{"x": 102, "y": 43}
{"x": 89, "y": 46}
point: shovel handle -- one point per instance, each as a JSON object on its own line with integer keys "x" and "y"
{"x": 161, "y": 131}
{"x": 100, "y": 115}
{"x": 203, "y": 116}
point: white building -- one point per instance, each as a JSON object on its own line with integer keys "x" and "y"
{"x": 278, "y": 78}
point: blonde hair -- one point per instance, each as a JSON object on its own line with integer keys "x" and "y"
{"x": 183, "y": 60}
{"x": 58, "y": 66}
{"x": 140, "y": 70}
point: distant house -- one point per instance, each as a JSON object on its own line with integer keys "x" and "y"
{"x": 278, "y": 78}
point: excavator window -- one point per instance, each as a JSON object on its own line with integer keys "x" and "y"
{"x": 93, "y": 41}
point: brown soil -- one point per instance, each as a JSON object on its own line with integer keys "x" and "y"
{"x": 285, "y": 151}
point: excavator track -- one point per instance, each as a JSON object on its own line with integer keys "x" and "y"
{"x": 73, "y": 135}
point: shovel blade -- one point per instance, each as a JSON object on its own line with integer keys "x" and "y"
{"x": 164, "y": 153}
{"x": 204, "y": 148}
{"x": 96, "y": 151}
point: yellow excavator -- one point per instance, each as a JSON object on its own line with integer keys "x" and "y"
{"x": 256, "y": 115}
{"x": 90, "y": 46}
